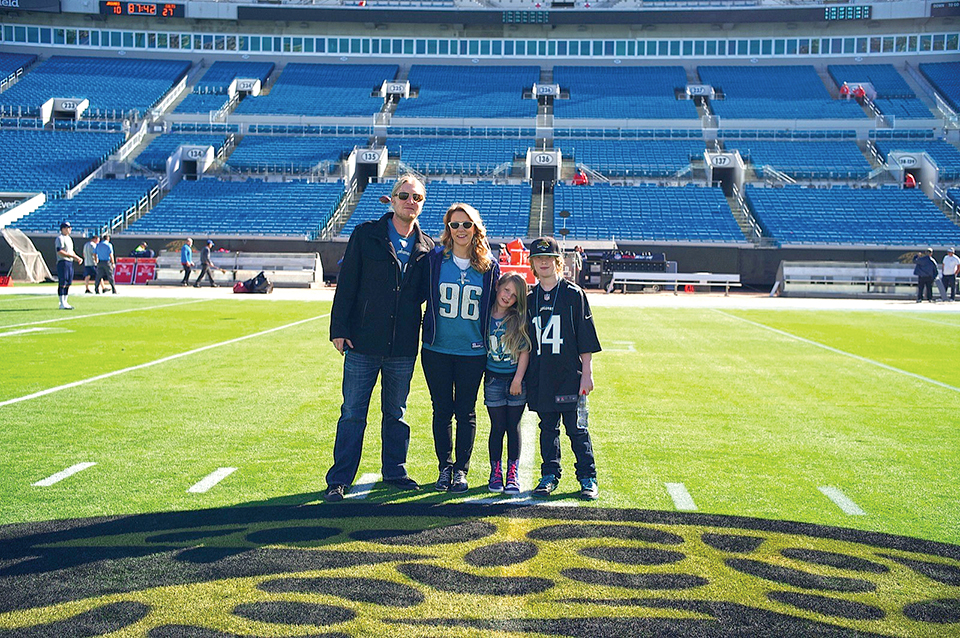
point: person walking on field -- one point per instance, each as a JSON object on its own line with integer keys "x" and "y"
{"x": 951, "y": 266}
{"x": 186, "y": 260}
{"x": 106, "y": 262}
{"x": 375, "y": 325}
{"x": 207, "y": 266}
{"x": 90, "y": 262}
{"x": 926, "y": 271}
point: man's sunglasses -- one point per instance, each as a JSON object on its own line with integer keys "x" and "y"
{"x": 403, "y": 195}
{"x": 456, "y": 225}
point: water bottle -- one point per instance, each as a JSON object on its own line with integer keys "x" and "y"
{"x": 582, "y": 412}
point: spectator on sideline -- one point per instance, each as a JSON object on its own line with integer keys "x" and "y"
{"x": 65, "y": 258}
{"x": 106, "y": 262}
{"x": 186, "y": 260}
{"x": 375, "y": 325}
{"x": 463, "y": 277}
{"x": 926, "y": 271}
{"x": 90, "y": 262}
{"x": 951, "y": 265}
{"x": 207, "y": 266}
{"x": 142, "y": 251}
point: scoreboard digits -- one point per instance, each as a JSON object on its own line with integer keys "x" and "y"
{"x": 847, "y": 13}
{"x": 163, "y": 10}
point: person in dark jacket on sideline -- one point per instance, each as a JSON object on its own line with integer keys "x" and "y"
{"x": 926, "y": 271}
{"x": 375, "y": 324}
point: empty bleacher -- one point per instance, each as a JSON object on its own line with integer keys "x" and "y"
{"x": 945, "y": 78}
{"x": 322, "y": 90}
{"x": 155, "y": 155}
{"x": 285, "y": 154}
{"x": 646, "y": 213}
{"x": 12, "y": 63}
{"x": 458, "y": 155}
{"x": 622, "y": 93}
{"x": 252, "y": 208}
{"x": 946, "y": 156}
{"x": 210, "y": 92}
{"x": 51, "y": 161}
{"x": 847, "y": 216}
{"x": 894, "y": 96}
{"x": 775, "y": 92}
{"x": 92, "y": 209}
{"x": 804, "y": 159}
{"x": 470, "y": 92}
{"x": 632, "y": 158}
{"x": 505, "y": 209}
{"x": 115, "y": 87}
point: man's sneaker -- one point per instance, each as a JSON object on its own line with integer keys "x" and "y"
{"x": 334, "y": 493}
{"x": 403, "y": 483}
{"x": 459, "y": 483}
{"x": 588, "y": 489}
{"x": 446, "y": 476}
{"x": 511, "y": 485}
{"x": 546, "y": 485}
{"x": 496, "y": 477}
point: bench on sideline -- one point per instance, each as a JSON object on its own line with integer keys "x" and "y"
{"x": 659, "y": 279}
{"x": 291, "y": 270}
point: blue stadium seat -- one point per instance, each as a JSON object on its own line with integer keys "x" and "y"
{"x": 474, "y": 92}
{"x": 51, "y": 161}
{"x": 622, "y": 93}
{"x": 93, "y": 209}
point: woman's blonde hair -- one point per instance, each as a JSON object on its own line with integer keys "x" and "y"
{"x": 480, "y": 257}
{"x": 516, "y": 339}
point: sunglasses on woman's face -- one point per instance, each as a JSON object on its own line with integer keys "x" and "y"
{"x": 403, "y": 195}
{"x": 456, "y": 225}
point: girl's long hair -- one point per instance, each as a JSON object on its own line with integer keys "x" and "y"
{"x": 480, "y": 256}
{"x": 516, "y": 338}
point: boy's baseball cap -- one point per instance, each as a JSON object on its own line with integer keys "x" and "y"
{"x": 64, "y": 224}
{"x": 544, "y": 247}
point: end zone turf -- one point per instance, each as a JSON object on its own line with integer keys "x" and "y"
{"x": 441, "y": 570}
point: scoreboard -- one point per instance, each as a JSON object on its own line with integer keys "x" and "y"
{"x": 154, "y": 9}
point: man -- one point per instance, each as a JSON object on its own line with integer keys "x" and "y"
{"x": 186, "y": 260}
{"x": 63, "y": 244}
{"x": 207, "y": 266}
{"x": 926, "y": 272}
{"x": 106, "y": 263}
{"x": 951, "y": 265}
{"x": 375, "y": 324}
{"x": 90, "y": 262}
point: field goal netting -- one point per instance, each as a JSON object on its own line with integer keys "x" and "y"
{"x": 28, "y": 264}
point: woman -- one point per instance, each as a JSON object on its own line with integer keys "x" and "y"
{"x": 462, "y": 276}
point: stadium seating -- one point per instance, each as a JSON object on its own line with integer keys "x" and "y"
{"x": 114, "y": 86}
{"x": 943, "y": 153}
{"x": 11, "y": 63}
{"x": 252, "y": 207}
{"x": 847, "y": 216}
{"x": 775, "y": 92}
{"x": 459, "y": 155}
{"x": 51, "y": 161}
{"x": 155, "y": 155}
{"x": 210, "y": 93}
{"x": 505, "y": 208}
{"x": 646, "y": 213}
{"x": 470, "y": 92}
{"x": 622, "y": 93}
{"x": 884, "y": 78}
{"x": 92, "y": 209}
{"x": 264, "y": 153}
{"x": 803, "y": 159}
{"x": 633, "y": 158}
{"x": 322, "y": 90}
{"x": 945, "y": 78}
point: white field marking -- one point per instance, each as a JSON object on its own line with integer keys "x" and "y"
{"x": 841, "y": 352}
{"x": 939, "y": 323}
{"x": 14, "y": 333}
{"x": 59, "y": 476}
{"x": 842, "y": 501}
{"x": 621, "y": 346}
{"x": 681, "y": 497}
{"x": 71, "y": 317}
{"x": 149, "y": 364}
{"x": 212, "y": 479}
{"x": 361, "y": 489}
{"x": 527, "y": 471}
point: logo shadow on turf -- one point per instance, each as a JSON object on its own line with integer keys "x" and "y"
{"x": 288, "y": 568}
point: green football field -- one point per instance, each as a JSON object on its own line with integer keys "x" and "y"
{"x": 778, "y": 415}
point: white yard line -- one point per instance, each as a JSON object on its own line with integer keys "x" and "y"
{"x": 841, "y": 352}
{"x": 14, "y": 333}
{"x": 681, "y": 497}
{"x": 149, "y": 364}
{"x": 361, "y": 489}
{"x": 842, "y": 501}
{"x": 529, "y": 470}
{"x": 59, "y": 476}
{"x": 211, "y": 479}
{"x": 72, "y": 317}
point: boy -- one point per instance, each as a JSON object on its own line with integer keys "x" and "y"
{"x": 561, "y": 367}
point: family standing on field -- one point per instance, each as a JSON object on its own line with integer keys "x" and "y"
{"x": 527, "y": 347}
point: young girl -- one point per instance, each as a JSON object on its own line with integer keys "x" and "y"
{"x": 504, "y": 392}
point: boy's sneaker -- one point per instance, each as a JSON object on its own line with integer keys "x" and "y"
{"x": 334, "y": 493}
{"x": 588, "y": 489}
{"x": 511, "y": 485}
{"x": 546, "y": 485}
{"x": 446, "y": 476}
{"x": 459, "y": 483}
{"x": 496, "y": 477}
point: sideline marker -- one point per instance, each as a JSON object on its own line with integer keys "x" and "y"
{"x": 212, "y": 479}
{"x": 681, "y": 497}
{"x": 59, "y": 476}
{"x": 842, "y": 501}
{"x": 361, "y": 489}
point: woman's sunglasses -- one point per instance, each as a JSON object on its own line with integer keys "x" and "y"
{"x": 403, "y": 195}
{"x": 456, "y": 225}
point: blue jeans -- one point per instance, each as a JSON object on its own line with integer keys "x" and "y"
{"x": 64, "y": 276}
{"x": 360, "y": 372}
{"x": 579, "y": 441}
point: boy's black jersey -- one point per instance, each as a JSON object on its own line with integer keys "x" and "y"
{"x": 561, "y": 328}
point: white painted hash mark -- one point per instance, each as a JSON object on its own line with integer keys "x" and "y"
{"x": 361, "y": 489}
{"x": 212, "y": 479}
{"x": 59, "y": 476}
{"x": 681, "y": 497}
{"x": 842, "y": 501}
